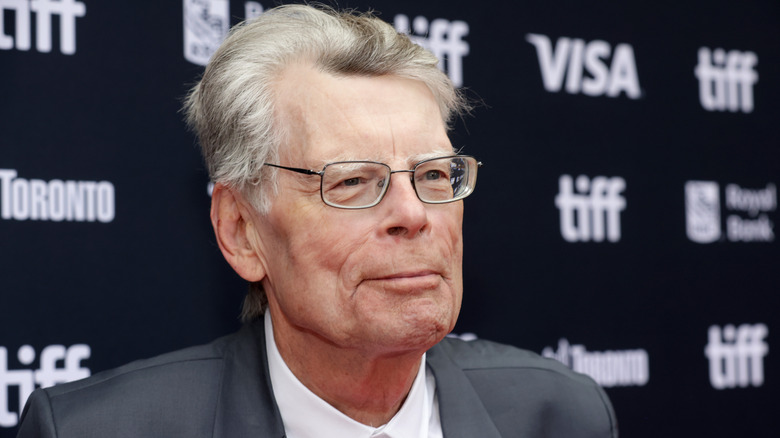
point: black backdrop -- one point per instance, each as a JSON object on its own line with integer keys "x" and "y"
{"x": 623, "y": 222}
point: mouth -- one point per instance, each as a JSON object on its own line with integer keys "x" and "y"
{"x": 405, "y": 275}
{"x": 406, "y": 282}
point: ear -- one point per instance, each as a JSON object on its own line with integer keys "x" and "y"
{"x": 232, "y": 224}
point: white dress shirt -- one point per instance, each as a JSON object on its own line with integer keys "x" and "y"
{"x": 305, "y": 415}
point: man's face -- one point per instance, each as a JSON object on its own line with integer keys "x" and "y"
{"x": 380, "y": 280}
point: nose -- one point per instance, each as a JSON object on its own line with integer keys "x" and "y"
{"x": 405, "y": 214}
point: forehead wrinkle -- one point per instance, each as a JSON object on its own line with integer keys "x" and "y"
{"x": 377, "y": 155}
{"x": 365, "y": 128}
{"x": 349, "y": 134}
{"x": 392, "y": 137}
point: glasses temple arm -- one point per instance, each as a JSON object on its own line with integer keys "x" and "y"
{"x": 295, "y": 169}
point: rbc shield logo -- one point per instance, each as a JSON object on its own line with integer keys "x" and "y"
{"x": 206, "y": 23}
{"x": 702, "y": 211}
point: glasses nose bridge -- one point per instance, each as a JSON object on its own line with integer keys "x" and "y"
{"x": 411, "y": 180}
{"x": 403, "y": 171}
{"x": 411, "y": 176}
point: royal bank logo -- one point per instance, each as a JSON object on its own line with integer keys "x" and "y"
{"x": 444, "y": 38}
{"x": 206, "y": 23}
{"x": 702, "y": 211}
{"x": 726, "y": 79}
{"x": 19, "y": 36}
{"x": 590, "y": 209}
{"x": 592, "y": 68}
{"x": 747, "y": 212}
{"x": 56, "y": 200}
{"x": 609, "y": 368}
{"x": 736, "y": 355}
{"x": 57, "y": 364}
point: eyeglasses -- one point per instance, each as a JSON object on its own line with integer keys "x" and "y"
{"x": 363, "y": 184}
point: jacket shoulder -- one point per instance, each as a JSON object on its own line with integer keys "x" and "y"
{"x": 168, "y": 365}
{"x": 520, "y": 388}
{"x": 485, "y": 355}
{"x": 172, "y": 394}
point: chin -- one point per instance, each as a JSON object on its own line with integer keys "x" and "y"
{"x": 424, "y": 332}
{"x": 417, "y": 343}
{"x": 416, "y": 325}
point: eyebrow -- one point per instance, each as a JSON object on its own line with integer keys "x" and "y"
{"x": 412, "y": 159}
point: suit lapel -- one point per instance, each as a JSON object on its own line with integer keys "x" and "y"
{"x": 460, "y": 408}
{"x": 246, "y": 406}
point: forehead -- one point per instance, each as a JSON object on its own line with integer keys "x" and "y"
{"x": 333, "y": 118}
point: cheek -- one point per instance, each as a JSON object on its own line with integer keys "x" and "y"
{"x": 453, "y": 235}
{"x": 450, "y": 230}
{"x": 325, "y": 249}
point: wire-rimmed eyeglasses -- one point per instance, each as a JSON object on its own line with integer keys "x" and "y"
{"x": 363, "y": 184}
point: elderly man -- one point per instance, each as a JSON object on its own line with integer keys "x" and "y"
{"x": 338, "y": 196}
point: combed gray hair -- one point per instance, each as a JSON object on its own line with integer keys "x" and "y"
{"x": 232, "y": 107}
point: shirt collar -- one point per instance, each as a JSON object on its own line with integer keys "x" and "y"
{"x": 305, "y": 415}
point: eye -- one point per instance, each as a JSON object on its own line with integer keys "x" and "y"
{"x": 351, "y": 182}
{"x": 433, "y": 175}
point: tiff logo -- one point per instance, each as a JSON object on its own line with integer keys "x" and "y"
{"x": 585, "y": 66}
{"x": 444, "y": 39}
{"x": 590, "y": 210}
{"x": 49, "y": 373}
{"x": 736, "y": 355}
{"x": 67, "y": 10}
{"x": 726, "y": 79}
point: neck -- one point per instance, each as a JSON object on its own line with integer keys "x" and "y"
{"x": 368, "y": 387}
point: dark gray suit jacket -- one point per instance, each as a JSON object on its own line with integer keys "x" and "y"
{"x": 221, "y": 390}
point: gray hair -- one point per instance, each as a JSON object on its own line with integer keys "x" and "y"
{"x": 232, "y": 107}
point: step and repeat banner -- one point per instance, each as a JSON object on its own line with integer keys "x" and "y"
{"x": 624, "y": 222}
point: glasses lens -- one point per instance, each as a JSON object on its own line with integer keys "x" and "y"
{"x": 445, "y": 179}
{"x": 354, "y": 184}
